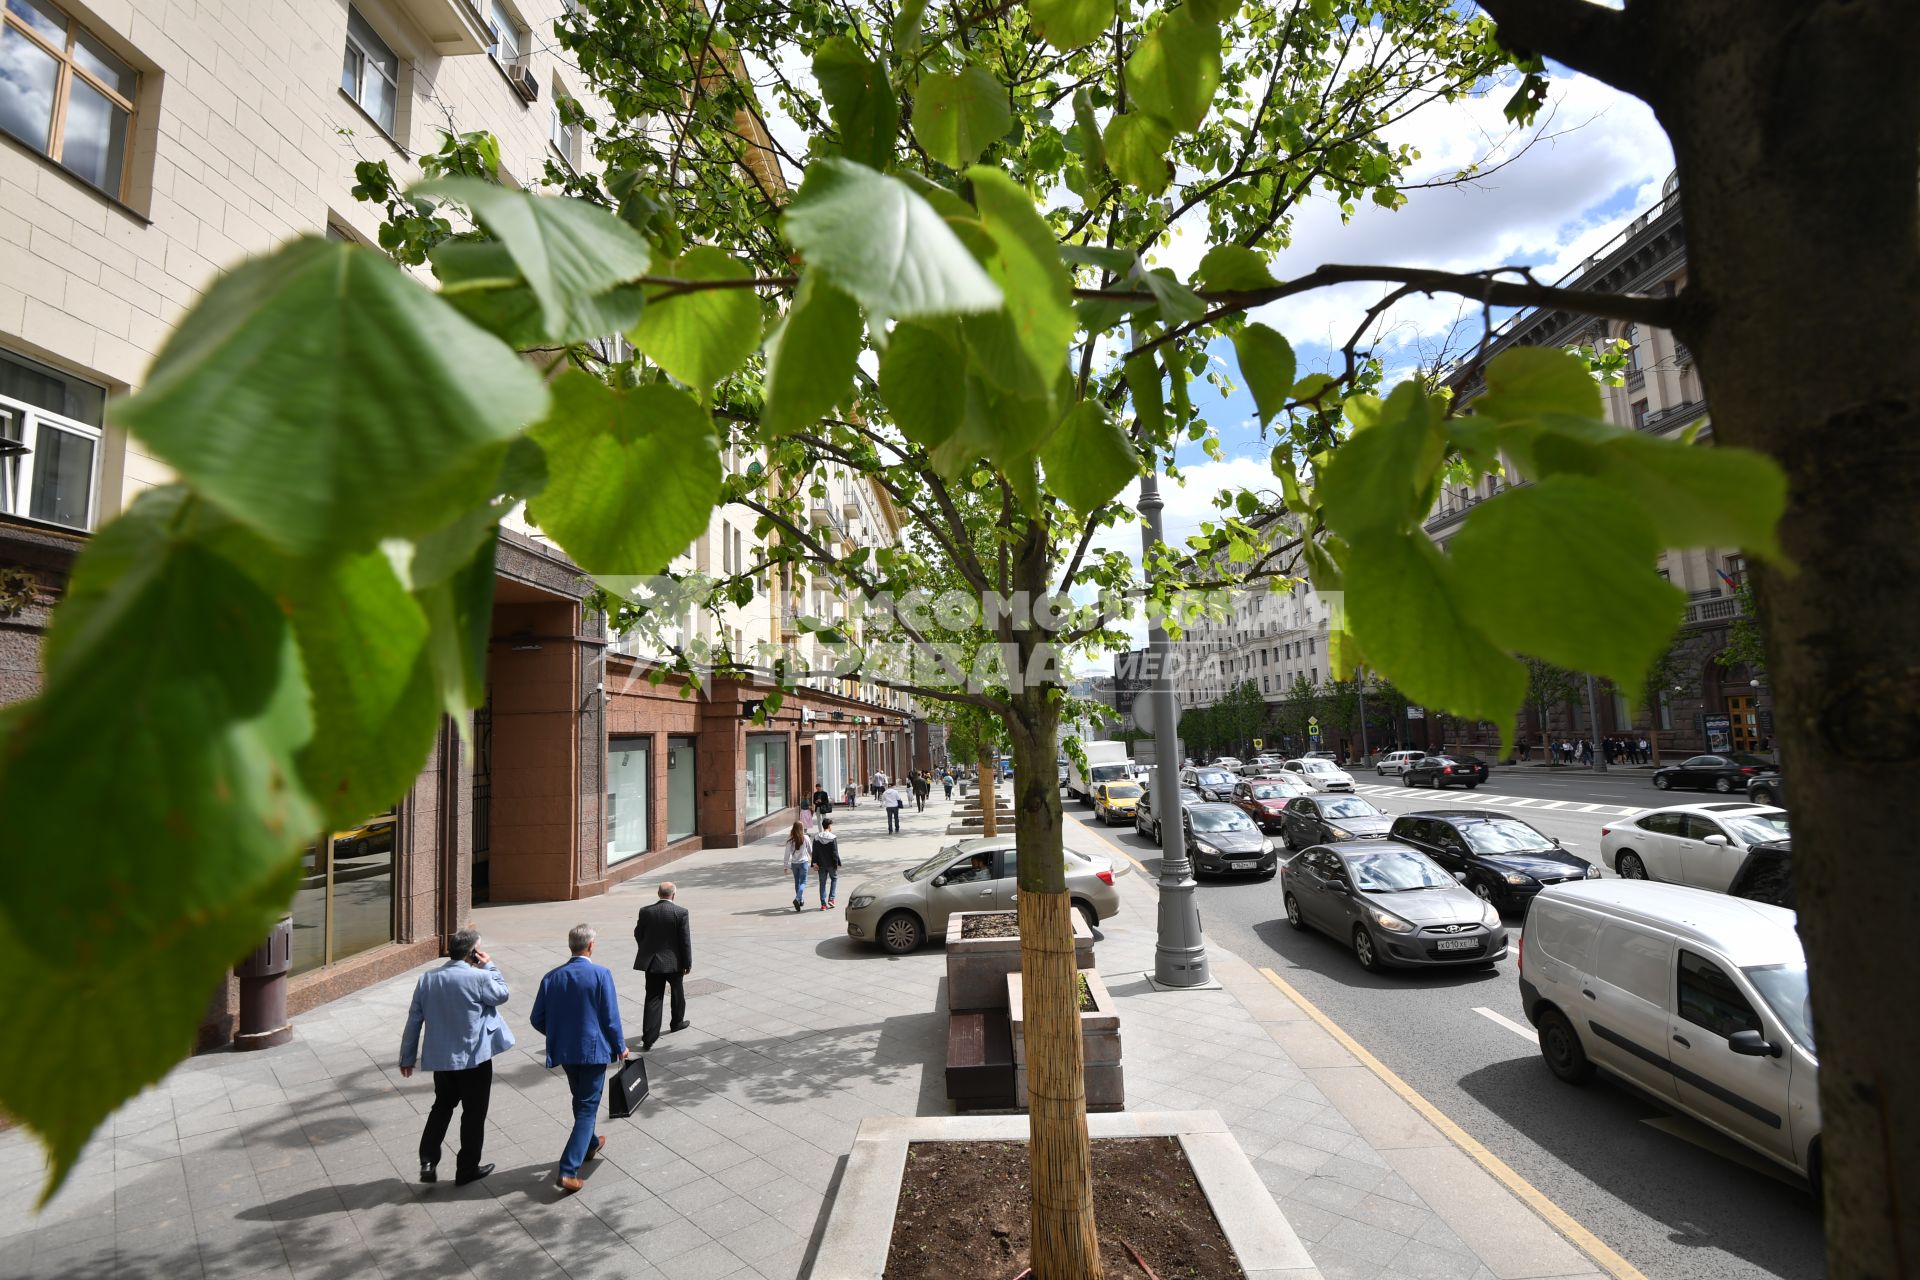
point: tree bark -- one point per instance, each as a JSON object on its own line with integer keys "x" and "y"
{"x": 989, "y": 794}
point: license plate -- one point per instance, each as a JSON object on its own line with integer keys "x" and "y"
{"x": 1458, "y": 944}
{"x": 1243, "y": 866}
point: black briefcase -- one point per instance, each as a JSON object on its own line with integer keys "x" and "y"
{"x": 628, "y": 1088}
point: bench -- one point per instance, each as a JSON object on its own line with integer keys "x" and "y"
{"x": 980, "y": 1059}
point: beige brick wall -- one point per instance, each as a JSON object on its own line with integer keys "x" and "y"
{"x": 242, "y": 121}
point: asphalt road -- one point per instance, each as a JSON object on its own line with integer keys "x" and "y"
{"x": 1673, "y": 1198}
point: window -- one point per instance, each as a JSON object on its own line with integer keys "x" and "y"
{"x": 1640, "y": 413}
{"x": 370, "y": 71}
{"x": 49, "y": 443}
{"x": 1709, "y": 999}
{"x": 344, "y": 904}
{"x": 563, "y": 131}
{"x": 766, "y": 775}
{"x": 1699, "y": 828}
{"x": 504, "y": 26}
{"x": 64, "y": 94}
{"x": 1633, "y": 348}
{"x": 629, "y": 778}
{"x": 682, "y": 796}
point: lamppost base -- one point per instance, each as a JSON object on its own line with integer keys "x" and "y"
{"x": 1208, "y": 984}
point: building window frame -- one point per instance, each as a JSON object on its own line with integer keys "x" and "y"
{"x": 361, "y": 63}
{"x": 24, "y": 435}
{"x": 509, "y": 33}
{"x": 71, "y": 55}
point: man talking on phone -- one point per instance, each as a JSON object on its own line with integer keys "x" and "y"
{"x": 458, "y": 1006}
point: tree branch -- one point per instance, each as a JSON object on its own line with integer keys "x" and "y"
{"x": 1581, "y": 34}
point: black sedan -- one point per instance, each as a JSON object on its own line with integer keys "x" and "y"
{"x": 1725, "y": 773}
{"x": 1392, "y": 905}
{"x": 1502, "y": 859}
{"x": 1765, "y": 787}
{"x": 1444, "y": 771}
{"x": 1327, "y": 819}
{"x": 1211, "y": 782}
{"x": 1144, "y": 823}
{"x": 1221, "y": 840}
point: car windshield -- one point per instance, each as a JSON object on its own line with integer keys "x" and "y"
{"x": 1316, "y": 766}
{"x": 936, "y": 864}
{"x": 1348, "y": 807}
{"x": 1270, "y": 791}
{"x": 1504, "y": 835}
{"x": 1212, "y": 777}
{"x": 1392, "y": 870}
{"x": 1123, "y": 791}
{"x": 1756, "y": 828}
{"x": 1109, "y": 772}
{"x": 1208, "y": 818}
{"x": 1784, "y": 988}
{"x": 1189, "y": 796}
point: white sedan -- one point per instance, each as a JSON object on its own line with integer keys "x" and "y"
{"x": 1702, "y": 845}
{"x": 1321, "y": 775}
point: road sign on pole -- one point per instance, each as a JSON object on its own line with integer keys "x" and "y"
{"x": 1258, "y": 743}
{"x": 1313, "y": 726}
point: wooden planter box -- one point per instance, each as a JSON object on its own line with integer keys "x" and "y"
{"x": 1099, "y": 1042}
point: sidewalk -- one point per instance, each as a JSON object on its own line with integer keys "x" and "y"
{"x": 299, "y": 1161}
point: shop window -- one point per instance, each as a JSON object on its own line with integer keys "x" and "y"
{"x": 629, "y": 786}
{"x": 65, "y": 94}
{"x": 767, "y": 788}
{"x": 49, "y": 443}
{"x": 683, "y": 797}
{"x": 344, "y": 905}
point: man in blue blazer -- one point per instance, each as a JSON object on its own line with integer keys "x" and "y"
{"x": 458, "y": 1006}
{"x": 579, "y": 1013}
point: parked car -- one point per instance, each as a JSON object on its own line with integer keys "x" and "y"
{"x": 1701, "y": 845}
{"x": 1144, "y": 823}
{"x": 1765, "y": 787}
{"x": 902, "y": 911}
{"x": 1212, "y": 782}
{"x": 1767, "y": 874}
{"x": 1396, "y": 762}
{"x": 1392, "y": 904}
{"x": 1227, "y": 762}
{"x": 1725, "y": 773}
{"x": 1320, "y": 774}
{"x": 1695, "y": 998}
{"x": 1502, "y": 859}
{"x": 1265, "y": 799}
{"x": 1320, "y": 755}
{"x": 1267, "y": 761}
{"x": 1221, "y": 840}
{"x": 1115, "y": 800}
{"x": 1329, "y": 819}
{"x": 1444, "y": 771}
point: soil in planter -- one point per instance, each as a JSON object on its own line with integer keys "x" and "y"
{"x": 999, "y": 924}
{"x": 963, "y": 1213}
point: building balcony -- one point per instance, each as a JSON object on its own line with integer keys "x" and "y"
{"x": 1712, "y": 608}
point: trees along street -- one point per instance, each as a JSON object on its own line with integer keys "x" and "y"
{"x": 353, "y": 489}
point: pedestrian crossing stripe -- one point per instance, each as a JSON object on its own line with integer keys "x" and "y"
{"x": 1518, "y": 802}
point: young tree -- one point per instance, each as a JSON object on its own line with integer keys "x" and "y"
{"x": 1548, "y": 687}
{"x": 973, "y": 734}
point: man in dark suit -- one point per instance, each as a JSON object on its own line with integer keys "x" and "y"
{"x": 664, "y": 933}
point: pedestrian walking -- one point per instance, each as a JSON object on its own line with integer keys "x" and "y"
{"x": 920, "y": 789}
{"x": 947, "y": 779}
{"x": 826, "y": 861}
{"x": 664, "y": 936}
{"x": 893, "y": 801}
{"x": 457, "y": 1009}
{"x": 1586, "y": 752}
{"x": 806, "y": 820}
{"x": 578, "y": 1011}
{"x": 1646, "y": 752}
{"x": 850, "y": 796}
{"x": 822, "y": 802}
{"x": 796, "y": 856}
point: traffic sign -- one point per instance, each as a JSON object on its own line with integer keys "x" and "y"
{"x": 1313, "y": 726}
{"x": 1257, "y": 744}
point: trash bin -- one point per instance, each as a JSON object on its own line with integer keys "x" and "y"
{"x": 263, "y": 990}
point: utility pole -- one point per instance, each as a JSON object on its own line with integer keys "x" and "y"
{"x": 1593, "y": 724}
{"x": 1180, "y": 953}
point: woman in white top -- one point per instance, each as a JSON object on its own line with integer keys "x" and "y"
{"x": 798, "y": 854}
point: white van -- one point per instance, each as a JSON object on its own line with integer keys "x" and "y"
{"x": 1396, "y": 762}
{"x": 1697, "y": 998}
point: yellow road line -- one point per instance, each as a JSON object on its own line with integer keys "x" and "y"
{"x": 1557, "y": 1218}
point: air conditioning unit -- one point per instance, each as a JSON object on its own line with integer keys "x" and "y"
{"x": 521, "y": 77}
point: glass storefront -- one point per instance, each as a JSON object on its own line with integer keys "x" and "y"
{"x": 629, "y": 783}
{"x": 766, "y": 775}
{"x": 345, "y": 901}
{"x": 833, "y": 754}
{"x": 683, "y": 798}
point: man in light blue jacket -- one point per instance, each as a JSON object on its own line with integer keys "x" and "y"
{"x": 458, "y": 1005}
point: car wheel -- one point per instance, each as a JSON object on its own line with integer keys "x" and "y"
{"x": 1760, "y": 795}
{"x": 1363, "y": 950}
{"x": 901, "y": 932}
{"x": 1087, "y": 913}
{"x": 1406, "y": 779}
{"x": 1560, "y": 1046}
{"x": 1381, "y": 772}
{"x": 1723, "y": 785}
{"x": 1484, "y": 892}
{"x": 1294, "y": 917}
{"x": 1661, "y": 782}
{"x": 1631, "y": 868}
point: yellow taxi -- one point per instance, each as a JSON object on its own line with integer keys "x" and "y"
{"x": 1114, "y": 801}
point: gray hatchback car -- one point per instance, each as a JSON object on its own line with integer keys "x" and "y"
{"x": 902, "y": 910}
{"x": 1392, "y": 904}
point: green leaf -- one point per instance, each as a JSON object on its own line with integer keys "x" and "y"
{"x": 703, "y": 336}
{"x": 1093, "y": 151}
{"x": 568, "y": 250}
{"x": 1137, "y": 146}
{"x": 1178, "y": 304}
{"x": 1175, "y": 70}
{"x": 1026, "y": 265}
{"x": 1403, "y": 607}
{"x": 1231, "y": 267}
{"x": 1322, "y": 567}
{"x": 811, "y": 359}
{"x": 1562, "y": 569}
{"x": 455, "y": 592}
{"x": 1118, "y": 262}
{"x": 132, "y": 878}
{"x": 1071, "y": 24}
{"x": 906, "y": 26}
{"x": 873, "y": 237}
{"x": 958, "y": 115}
{"x": 328, "y": 401}
{"x": 1088, "y": 458}
{"x": 1526, "y": 382}
{"x": 1149, "y": 401}
{"x": 923, "y": 379}
{"x": 1378, "y": 480}
{"x": 861, "y": 102}
{"x": 1266, "y": 366}
{"x": 632, "y": 476}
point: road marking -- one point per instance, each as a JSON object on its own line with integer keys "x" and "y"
{"x": 1520, "y": 1029}
{"x": 1594, "y": 808}
{"x": 1556, "y": 1217}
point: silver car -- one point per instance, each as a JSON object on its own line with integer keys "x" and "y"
{"x": 1392, "y": 904}
{"x": 903, "y": 910}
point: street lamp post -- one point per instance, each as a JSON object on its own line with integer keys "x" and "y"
{"x": 1180, "y": 952}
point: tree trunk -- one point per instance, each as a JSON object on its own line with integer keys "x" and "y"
{"x": 989, "y": 794}
{"x": 1794, "y": 127}
{"x": 1060, "y": 1163}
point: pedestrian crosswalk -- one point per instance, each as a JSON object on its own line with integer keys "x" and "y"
{"x": 1495, "y": 800}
